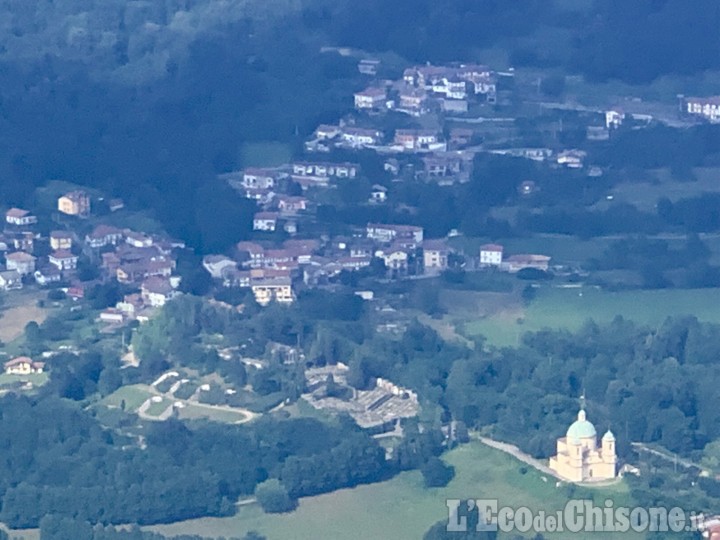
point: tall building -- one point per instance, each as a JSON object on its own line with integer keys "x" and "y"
{"x": 578, "y": 457}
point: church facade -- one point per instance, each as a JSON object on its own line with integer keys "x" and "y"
{"x": 578, "y": 457}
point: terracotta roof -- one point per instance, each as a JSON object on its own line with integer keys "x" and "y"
{"x": 250, "y": 247}
{"x": 265, "y": 215}
{"x": 711, "y": 100}
{"x": 157, "y": 285}
{"x": 372, "y": 92}
{"x": 19, "y": 256}
{"x": 63, "y": 254}
{"x": 435, "y": 245}
{"x": 17, "y": 213}
{"x": 528, "y": 259}
{"x": 491, "y": 247}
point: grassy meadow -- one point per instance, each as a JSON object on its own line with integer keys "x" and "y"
{"x": 502, "y": 319}
{"x": 401, "y": 508}
{"x": 265, "y": 154}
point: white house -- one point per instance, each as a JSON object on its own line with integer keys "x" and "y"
{"x": 491, "y": 255}
{"x": 372, "y": 98}
{"x": 104, "y": 235}
{"x": 358, "y": 137}
{"x": 395, "y": 258}
{"x": 327, "y": 131}
{"x": 258, "y": 178}
{"x": 515, "y": 263}
{"x": 138, "y": 240}
{"x": 63, "y": 260}
{"x": 217, "y": 265}
{"x": 435, "y": 256}
{"x": 19, "y": 217}
{"x": 156, "y": 291}
{"x": 23, "y": 262}
{"x": 418, "y": 139}
{"x": 278, "y": 289}
{"x": 10, "y": 280}
{"x": 572, "y": 159}
{"x": 61, "y": 240}
{"x": 387, "y": 233}
{"x": 378, "y": 194}
{"x": 23, "y": 366}
{"x": 290, "y": 204}
{"x": 614, "y": 118}
{"x": 708, "y": 108}
{"x": 265, "y": 221}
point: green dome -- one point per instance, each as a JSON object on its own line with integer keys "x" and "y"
{"x": 581, "y": 429}
{"x": 608, "y": 436}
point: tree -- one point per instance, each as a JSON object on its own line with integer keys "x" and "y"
{"x": 436, "y": 473}
{"x": 273, "y": 497}
{"x": 528, "y": 294}
{"x": 553, "y": 85}
{"x": 34, "y": 338}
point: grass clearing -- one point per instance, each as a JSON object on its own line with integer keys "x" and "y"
{"x": 20, "y": 308}
{"x": 265, "y": 154}
{"x": 563, "y": 249}
{"x": 225, "y": 416}
{"x": 645, "y": 195}
{"x": 156, "y": 408}
{"x": 571, "y": 308}
{"x": 401, "y": 508}
{"x": 37, "y": 379}
{"x": 133, "y": 395}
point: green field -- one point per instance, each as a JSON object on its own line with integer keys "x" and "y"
{"x": 226, "y": 416}
{"x": 159, "y": 407}
{"x": 265, "y": 154}
{"x": 571, "y": 308}
{"x": 562, "y": 249}
{"x": 37, "y": 379}
{"x": 401, "y": 508}
{"x": 133, "y": 395}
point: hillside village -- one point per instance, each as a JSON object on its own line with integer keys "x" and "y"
{"x": 450, "y": 114}
{"x": 425, "y": 128}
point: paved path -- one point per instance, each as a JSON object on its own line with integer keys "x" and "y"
{"x": 142, "y": 411}
{"x": 248, "y": 415}
{"x": 666, "y": 456}
{"x": 520, "y": 455}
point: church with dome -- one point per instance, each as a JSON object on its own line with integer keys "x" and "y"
{"x": 578, "y": 457}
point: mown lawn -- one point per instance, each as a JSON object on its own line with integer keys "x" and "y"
{"x": 401, "y": 508}
{"x": 191, "y": 411}
{"x": 38, "y": 379}
{"x": 133, "y": 395}
{"x": 571, "y": 308}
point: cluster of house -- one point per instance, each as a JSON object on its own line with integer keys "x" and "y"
{"x": 133, "y": 258}
{"x": 19, "y": 242}
{"x": 281, "y": 204}
{"x": 428, "y": 88}
{"x": 275, "y": 273}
